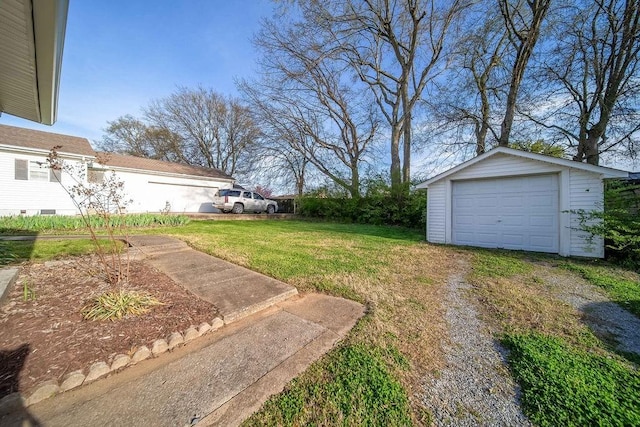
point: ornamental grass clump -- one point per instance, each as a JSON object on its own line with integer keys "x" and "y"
{"x": 115, "y": 305}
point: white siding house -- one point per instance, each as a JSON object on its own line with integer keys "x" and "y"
{"x": 29, "y": 187}
{"x": 155, "y": 185}
{"x": 512, "y": 199}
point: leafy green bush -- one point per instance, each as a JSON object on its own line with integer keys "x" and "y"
{"x": 570, "y": 387}
{"x": 377, "y": 207}
{"x": 619, "y": 223}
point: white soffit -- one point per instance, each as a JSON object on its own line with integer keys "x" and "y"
{"x": 31, "y": 44}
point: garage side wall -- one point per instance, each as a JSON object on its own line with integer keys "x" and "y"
{"x": 586, "y": 192}
{"x": 436, "y": 212}
{"x": 154, "y": 193}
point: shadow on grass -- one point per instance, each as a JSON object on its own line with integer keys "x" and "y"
{"x": 616, "y": 327}
{"x": 16, "y": 245}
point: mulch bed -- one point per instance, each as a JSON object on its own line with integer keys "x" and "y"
{"x": 45, "y": 337}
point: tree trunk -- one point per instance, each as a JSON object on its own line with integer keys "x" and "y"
{"x": 481, "y": 137}
{"x": 396, "y": 174}
{"x": 300, "y": 184}
{"x": 590, "y": 151}
{"x": 525, "y": 40}
{"x": 406, "y": 149}
{"x": 355, "y": 180}
{"x": 483, "y": 127}
{"x": 505, "y": 127}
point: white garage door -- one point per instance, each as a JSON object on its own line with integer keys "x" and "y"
{"x": 511, "y": 213}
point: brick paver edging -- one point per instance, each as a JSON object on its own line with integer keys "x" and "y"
{"x": 97, "y": 370}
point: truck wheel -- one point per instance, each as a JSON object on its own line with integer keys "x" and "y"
{"x": 270, "y": 209}
{"x": 237, "y": 208}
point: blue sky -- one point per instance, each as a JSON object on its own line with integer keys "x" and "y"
{"x": 120, "y": 55}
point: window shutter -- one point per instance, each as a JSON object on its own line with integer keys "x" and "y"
{"x": 55, "y": 175}
{"x": 22, "y": 169}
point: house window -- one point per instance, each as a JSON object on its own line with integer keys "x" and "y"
{"x": 38, "y": 171}
{"x": 31, "y": 170}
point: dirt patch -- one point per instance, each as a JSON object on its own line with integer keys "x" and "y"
{"x": 45, "y": 337}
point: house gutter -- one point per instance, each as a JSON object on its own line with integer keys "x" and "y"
{"x": 39, "y": 151}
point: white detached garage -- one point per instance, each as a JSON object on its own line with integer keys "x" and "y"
{"x": 513, "y": 199}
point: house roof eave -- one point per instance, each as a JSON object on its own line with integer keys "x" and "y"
{"x": 31, "y": 50}
{"x": 50, "y": 24}
{"x": 45, "y": 153}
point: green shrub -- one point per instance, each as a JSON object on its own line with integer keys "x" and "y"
{"x": 619, "y": 223}
{"x": 570, "y": 387}
{"x": 375, "y": 208}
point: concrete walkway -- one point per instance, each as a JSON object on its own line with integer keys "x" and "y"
{"x": 221, "y": 378}
{"x": 236, "y": 291}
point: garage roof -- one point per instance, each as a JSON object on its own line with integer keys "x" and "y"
{"x": 606, "y": 172}
{"x": 31, "y": 43}
{"x": 122, "y": 161}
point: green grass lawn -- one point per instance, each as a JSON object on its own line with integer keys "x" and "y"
{"x": 371, "y": 377}
{"x": 307, "y": 253}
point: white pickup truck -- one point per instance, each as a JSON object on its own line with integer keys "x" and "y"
{"x": 238, "y": 201}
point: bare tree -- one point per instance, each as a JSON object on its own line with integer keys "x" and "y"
{"x": 395, "y": 47}
{"x": 594, "y": 73}
{"x": 467, "y": 101}
{"x": 192, "y": 126}
{"x": 308, "y": 130}
{"x": 129, "y": 135}
{"x": 213, "y": 131}
{"x": 523, "y": 20}
{"x": 278, "y": 163}
{"x": 304, "y": 101}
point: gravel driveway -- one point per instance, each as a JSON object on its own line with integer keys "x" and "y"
{"x": 475, "y": 388}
